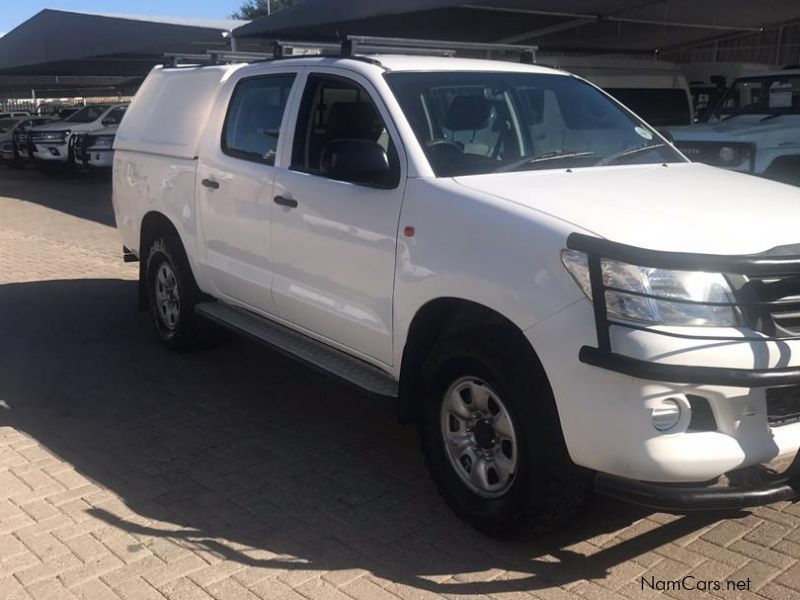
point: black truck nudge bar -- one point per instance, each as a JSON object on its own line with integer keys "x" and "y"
{"x": 764, "y": 265}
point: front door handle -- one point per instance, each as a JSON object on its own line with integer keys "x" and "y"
{"x": 211, "y": 184}
{"x": 284, "y": 201}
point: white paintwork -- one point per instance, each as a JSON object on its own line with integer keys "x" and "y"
{"x": 7, "y": 138}
{"x": 99, "y": 157}
{"x": 339, "y": 268}
{"x": 55, "y": 152}
{"x": 772, "y": 138}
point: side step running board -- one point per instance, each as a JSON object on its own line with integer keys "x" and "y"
{"x": 296, "y": 345}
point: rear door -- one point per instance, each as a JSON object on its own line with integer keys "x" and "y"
{"x": 236, "y": 176}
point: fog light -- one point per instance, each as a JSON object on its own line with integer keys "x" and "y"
{"x": 727, "y": 154}
{"x": 667, "y": 414}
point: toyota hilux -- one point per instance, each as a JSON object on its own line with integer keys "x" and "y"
{"x": 552, "y": 292}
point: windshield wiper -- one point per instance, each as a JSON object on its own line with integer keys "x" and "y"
{"x": 628, "y": 152}
{"x": 541, "y": 158}
{"x": 735, "y": 113}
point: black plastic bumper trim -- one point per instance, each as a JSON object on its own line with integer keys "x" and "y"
{"x": 643, "y": 369}
{"x": 128, "y": 256}
{"x": 668, "y": 497}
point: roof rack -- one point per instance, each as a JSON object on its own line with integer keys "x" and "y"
{"x": 354, "y": 46}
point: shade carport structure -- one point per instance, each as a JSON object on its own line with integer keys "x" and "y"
{"x": 627, "y": 26}
{"x": 66, "y": 52}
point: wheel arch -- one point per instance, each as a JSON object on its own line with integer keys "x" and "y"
{"x": 432, "y": 321}
{"x": 154, "y": 223}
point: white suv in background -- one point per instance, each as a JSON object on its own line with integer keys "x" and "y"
{"x": 51, "y": 144}
{"x": 552, "y": 292}
{"x": 754, "y": 129}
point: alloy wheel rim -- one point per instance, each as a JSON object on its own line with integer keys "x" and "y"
{"x": 168, "y": 302}
{"x": 479, "y": 437}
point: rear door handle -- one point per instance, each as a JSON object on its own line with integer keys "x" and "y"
{"x": 210, "y": 183}
{"x": 284, "y": 201}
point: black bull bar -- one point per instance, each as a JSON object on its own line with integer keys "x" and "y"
{"x": 765, "y": 488}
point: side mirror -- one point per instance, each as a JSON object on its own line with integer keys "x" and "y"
{"x": 357, "y": 161}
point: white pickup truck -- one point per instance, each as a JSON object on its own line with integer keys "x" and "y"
{"x": 52, "y": 145}
{"x": 555, "y": 295}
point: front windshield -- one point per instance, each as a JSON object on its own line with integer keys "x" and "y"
{"x": 6, "y": 125}
{"x": 473, "y": 123}
{"x": 771, "y": 96}
{"x": 87, "y": 115}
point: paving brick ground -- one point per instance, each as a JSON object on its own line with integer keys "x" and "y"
{"x": 130, "y": 472}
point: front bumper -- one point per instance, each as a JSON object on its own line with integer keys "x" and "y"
{"x": 767, "y": 489}
{"x": 609, "y": 380}
{"x": 50, "y": 152}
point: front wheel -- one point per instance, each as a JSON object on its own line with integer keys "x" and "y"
{"x": 492, "y": 440}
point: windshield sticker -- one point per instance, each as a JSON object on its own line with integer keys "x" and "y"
{"x": 780, "y": 96}
{"x": 645, "y": 133}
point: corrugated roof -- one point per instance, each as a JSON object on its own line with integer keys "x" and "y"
{"x": 589, "y": 25}
{"x": 104, "y": 44}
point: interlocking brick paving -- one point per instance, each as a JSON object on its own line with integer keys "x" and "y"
{"x": 127, "y": 471}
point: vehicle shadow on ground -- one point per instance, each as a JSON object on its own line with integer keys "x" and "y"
{"x": 83, "y": 195}
{"x": 242, "y": 453}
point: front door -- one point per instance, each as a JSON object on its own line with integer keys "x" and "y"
{"x": 334, "y": 242}
{"x": 235, "y": 180}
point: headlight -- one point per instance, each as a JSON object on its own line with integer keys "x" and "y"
{"x": 727, "y": 155}
{"x": 102, "y": 141}
{"x": 670, "y": 287}
{"x": 57, "y": 137}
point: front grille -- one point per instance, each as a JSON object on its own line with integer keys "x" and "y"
{"x": 782, "y": 317}
{"x": 783, "y": 405}
{"x": 709, "y": 153}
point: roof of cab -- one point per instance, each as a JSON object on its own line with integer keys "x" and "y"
{"x": 405, "y": 62}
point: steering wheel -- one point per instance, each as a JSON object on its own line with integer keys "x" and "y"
{"x": 440, "y": 144}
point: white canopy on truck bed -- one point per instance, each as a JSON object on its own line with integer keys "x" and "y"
{"x": 167, "y": 114}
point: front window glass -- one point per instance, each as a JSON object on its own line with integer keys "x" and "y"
{"x": 486, "y": 122}
{"x": 335, "y": 109}
{"x": 769, "y": 96}
{"x": 88, "y": 114}
{"x": 115, "y": 116}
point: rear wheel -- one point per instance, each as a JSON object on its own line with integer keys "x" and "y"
{"x": 172, "y": 294}
{"x": 492, "y": 440}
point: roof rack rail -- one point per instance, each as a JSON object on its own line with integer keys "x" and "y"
{"x": 354, "y": 44}
{"x": 352, "y": 47}
{"x": 214, "y": 57}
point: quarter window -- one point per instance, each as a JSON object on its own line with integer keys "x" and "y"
{"x": 255, "y": 113}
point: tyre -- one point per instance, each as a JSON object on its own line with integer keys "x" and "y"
{"x": 492, "y": 441}
{"x": 172, "y": 294}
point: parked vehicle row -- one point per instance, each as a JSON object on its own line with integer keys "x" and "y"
{"x": 84, "y": 139}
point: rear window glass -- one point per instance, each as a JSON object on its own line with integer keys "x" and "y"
{"x": 255, "y": 113}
